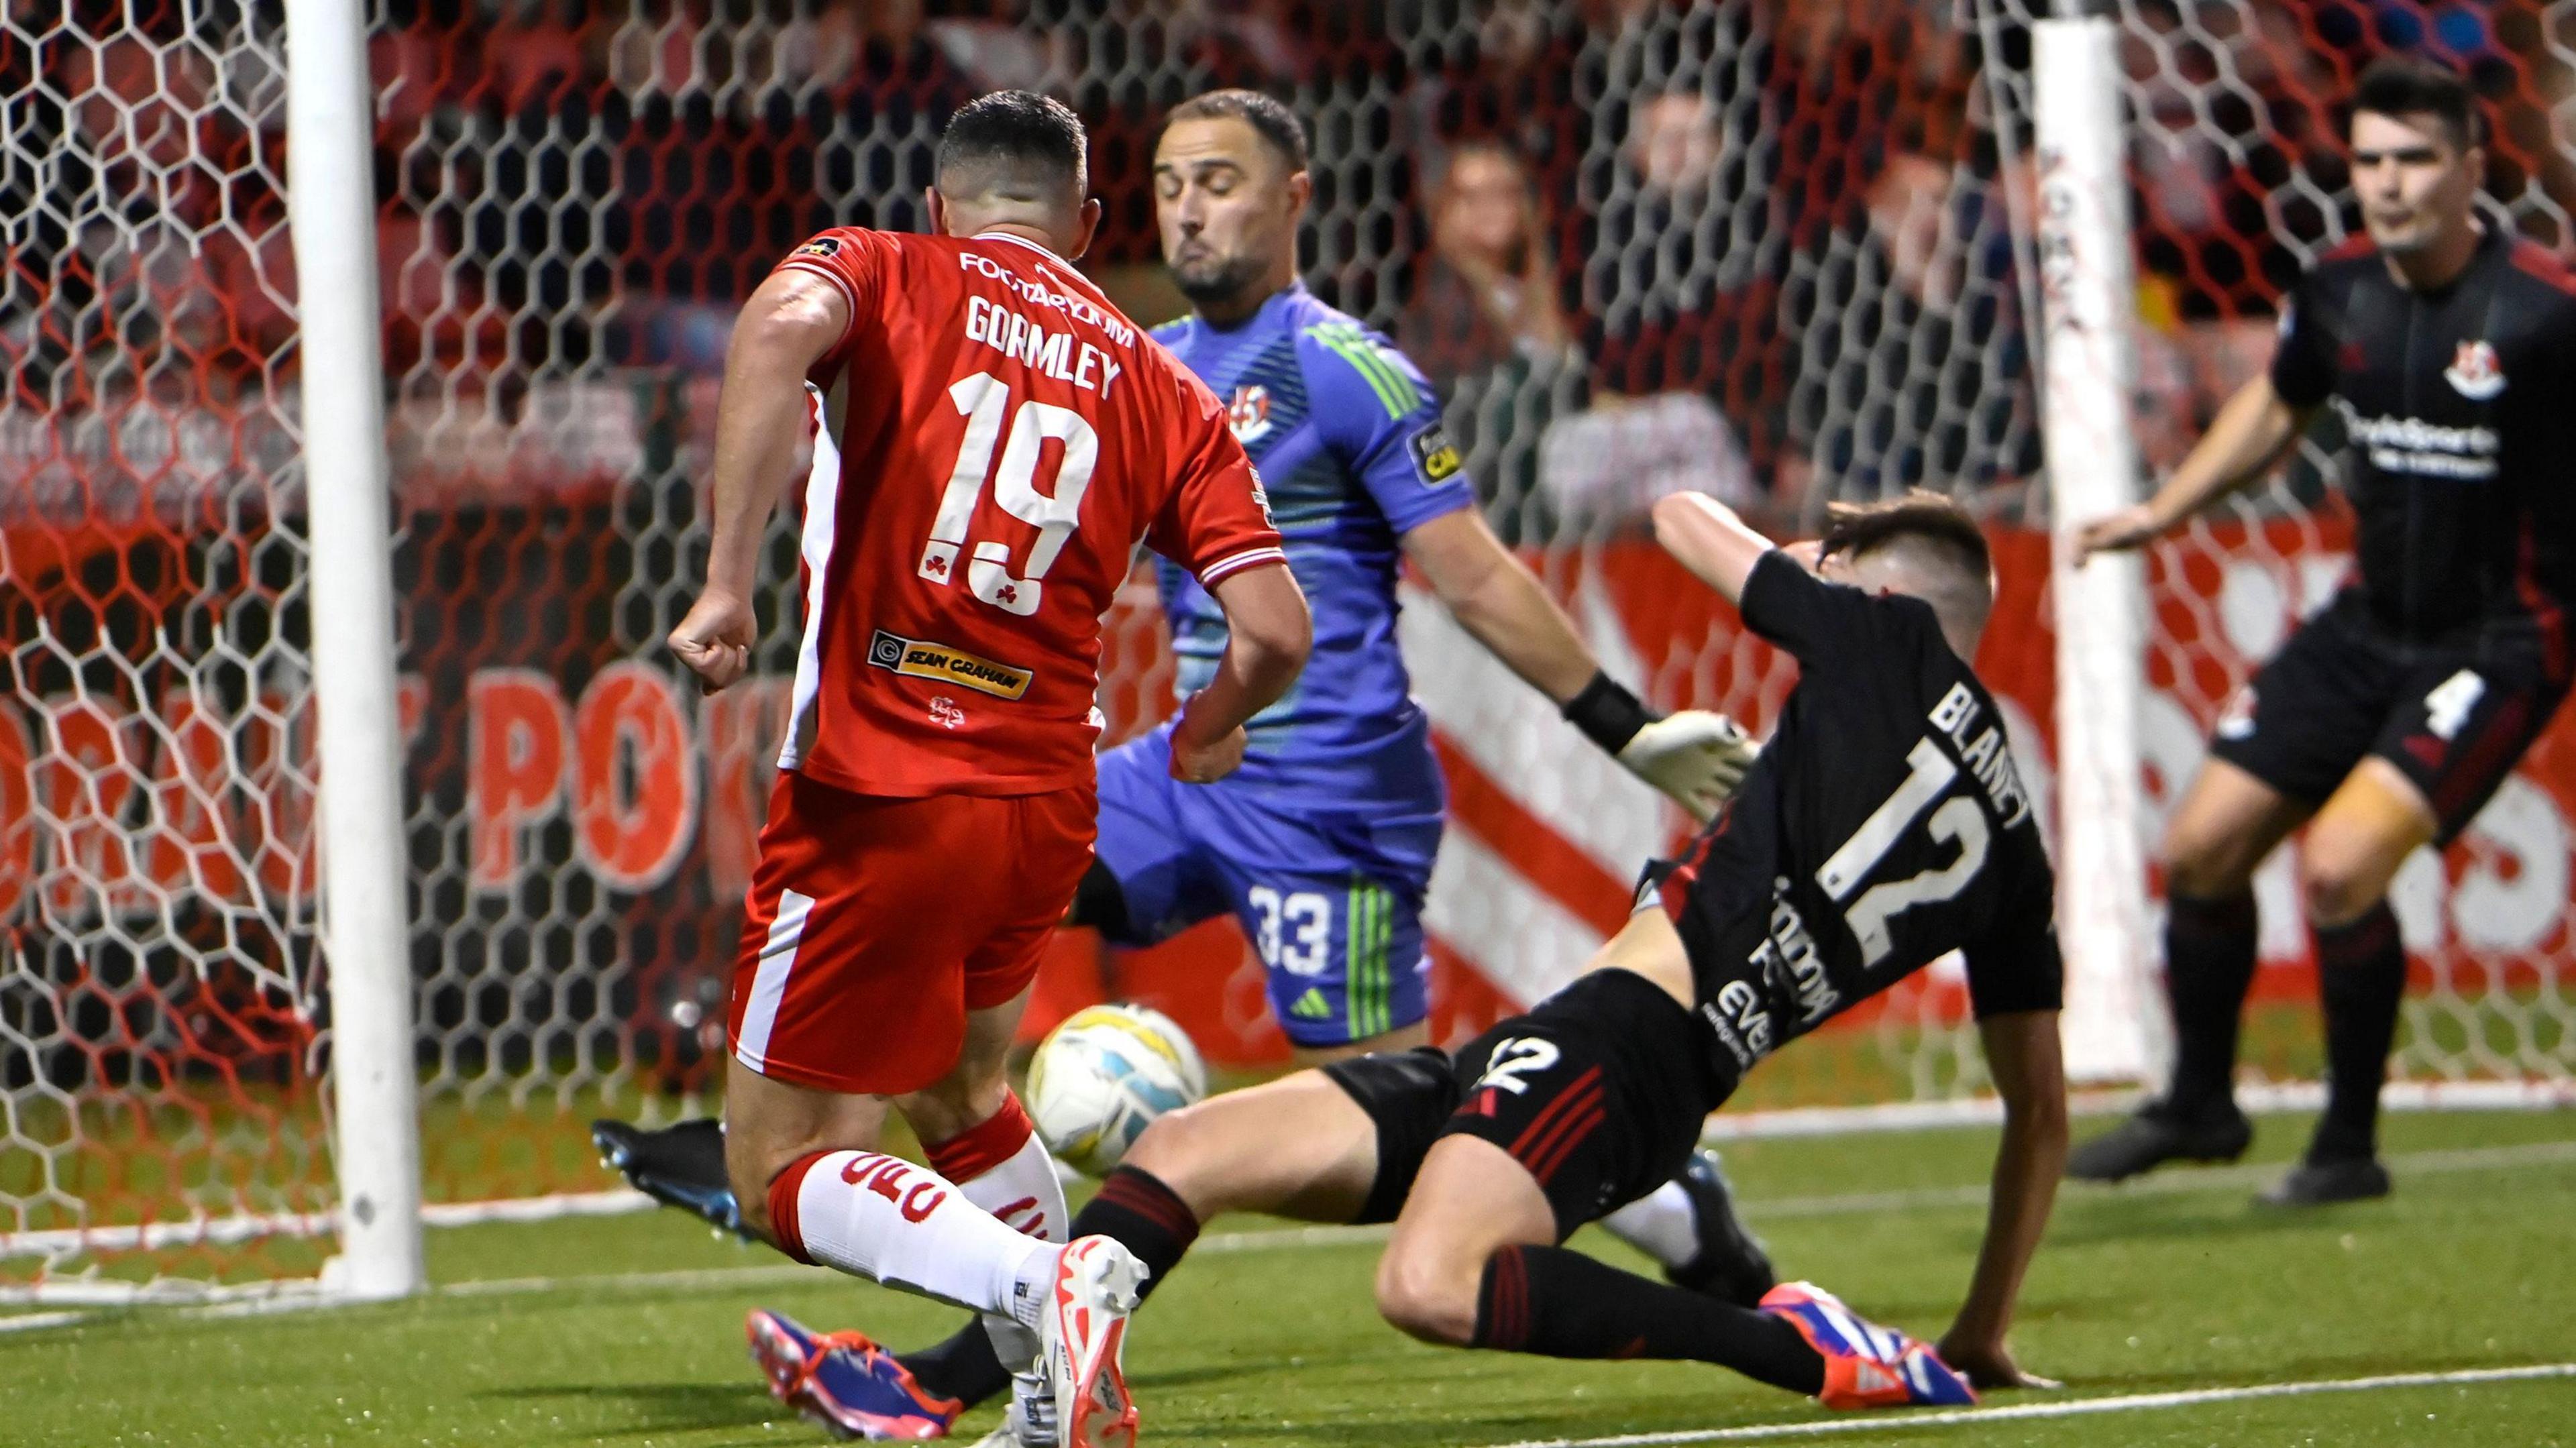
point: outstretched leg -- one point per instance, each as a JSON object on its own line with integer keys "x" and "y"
{"x": 1597, "y": 1092}
{"x": 1474, "y": 1263}
{"x": 1594, "y": 1095}
{"x": 1301, "y": 1146}
{"x": 810, "y": 1183}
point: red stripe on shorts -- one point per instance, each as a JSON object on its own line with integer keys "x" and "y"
{"x": 2480, "y": 759}
{"x": 1580, "y": 1131}
{"x": 1548, "y": 1152}
{"x": 1553, "y": 1109}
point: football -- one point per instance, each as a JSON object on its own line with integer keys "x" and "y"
{"x": 1099, "y": 1079}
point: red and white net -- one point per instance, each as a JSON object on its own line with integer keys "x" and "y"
{"x": 1774, "y": 249}
{"x": 161, "y": 1020}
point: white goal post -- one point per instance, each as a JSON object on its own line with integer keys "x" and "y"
{"x": 2100, "y": 608}
{"x": 366, "y": 934}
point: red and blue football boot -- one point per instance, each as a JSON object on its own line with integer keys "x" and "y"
{"x": 847, "y": 1384}
{"x": 1866, "y": 1365}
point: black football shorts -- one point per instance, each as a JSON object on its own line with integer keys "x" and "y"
{"x": 2453, "y": 720}
{"x": 1599, "y": 1092}
{"x": 1407, "y": 1094}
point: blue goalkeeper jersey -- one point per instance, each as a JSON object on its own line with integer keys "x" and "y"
{"x": 1347, "y": 436}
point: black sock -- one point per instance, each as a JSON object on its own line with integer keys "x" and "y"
{"x": 2209, "y": 965}
{"x": 1561, "y": 1303}
{"x": 1133, "y": 1209}
{"x": 2361, "y": 973}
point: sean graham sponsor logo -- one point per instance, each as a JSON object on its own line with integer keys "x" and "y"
{"x": 923, "y": 659}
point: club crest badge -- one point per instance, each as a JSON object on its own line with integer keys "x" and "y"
{"x": 1249, "y": 413}
{"x": 2474, "y": 372}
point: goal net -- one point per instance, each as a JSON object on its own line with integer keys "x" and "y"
{"x": 1781, "y": 252}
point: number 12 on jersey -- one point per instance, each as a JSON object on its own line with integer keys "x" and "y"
{"x": 984, "y": 398}
{"x": 1930, "y": 772}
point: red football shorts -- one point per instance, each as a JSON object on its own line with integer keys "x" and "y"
{"x": 875, "y": 924}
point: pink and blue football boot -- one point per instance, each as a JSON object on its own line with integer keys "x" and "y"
{"x": 1866, "y": 1365}
{"x": 847, "y": 1384}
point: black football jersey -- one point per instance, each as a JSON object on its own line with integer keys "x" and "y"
{"x": 1883, "y": 826}
{"x": 2460, "y": 410}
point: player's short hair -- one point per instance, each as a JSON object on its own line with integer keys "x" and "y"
{"x": 1270, "y": 119}
{"x": 1014, "y": 145}
{"x": 2409, "y": 85}
{"x": 1936, "y": 538}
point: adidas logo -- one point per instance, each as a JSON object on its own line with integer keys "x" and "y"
{"x": 1312, "y": 1005}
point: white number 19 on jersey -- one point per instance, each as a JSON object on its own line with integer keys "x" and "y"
{"x": 983, "y": 397}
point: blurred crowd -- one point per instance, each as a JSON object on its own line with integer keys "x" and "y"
{"x": 1761, "y": 247}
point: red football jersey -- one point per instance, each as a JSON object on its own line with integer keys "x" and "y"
{"x": 995, "y": 438}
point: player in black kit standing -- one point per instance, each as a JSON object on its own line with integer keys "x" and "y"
{"x": 2389, "y": 719}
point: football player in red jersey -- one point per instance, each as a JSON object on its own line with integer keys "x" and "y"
{"x": 994, "y": 439}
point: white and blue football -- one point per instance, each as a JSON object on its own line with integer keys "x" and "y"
{"x": 1101, "y": 1078}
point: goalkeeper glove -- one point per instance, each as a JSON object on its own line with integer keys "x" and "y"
{"x": 1696, "y": 757}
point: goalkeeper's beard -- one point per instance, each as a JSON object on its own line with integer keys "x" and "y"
{"x": 1221, "y": 284}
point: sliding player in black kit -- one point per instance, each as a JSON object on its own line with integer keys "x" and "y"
{"x": 1882, "y": 826}
{"x": 2391, "y": 717}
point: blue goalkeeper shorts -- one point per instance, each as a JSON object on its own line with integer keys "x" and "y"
{"x": 1329, "y": 892}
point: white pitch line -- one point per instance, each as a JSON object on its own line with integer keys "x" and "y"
{"x": 1273, "y": 1239}
{"x": 285, "y": 1298}
{"x": 1777, "y": 1124}
{"x": 2079, "y": 1408}
{"x": 2163, "y": 1184}
{"x": 2258, "y": 1098}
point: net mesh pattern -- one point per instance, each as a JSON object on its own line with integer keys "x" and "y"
{"x": 1778, "y": 250}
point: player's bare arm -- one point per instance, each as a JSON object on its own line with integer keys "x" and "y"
{"x": 2243, "y": 443}
{"x": 1695, "y": 756}
{"x": 786, "y": 327}
{"x": 1706, "y": 537}
{"x": 1268, "y": 633}
{"x": 2023, "y": 1053}
{"x": 1498, "y": 601}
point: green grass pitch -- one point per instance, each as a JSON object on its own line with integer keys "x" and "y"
{"x": 627, "y": 1331}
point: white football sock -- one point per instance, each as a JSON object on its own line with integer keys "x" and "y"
{"x": 909, "y": 1227}
{"x": 1021, "y": 1188}
{"x": 1660, "y": 1224}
